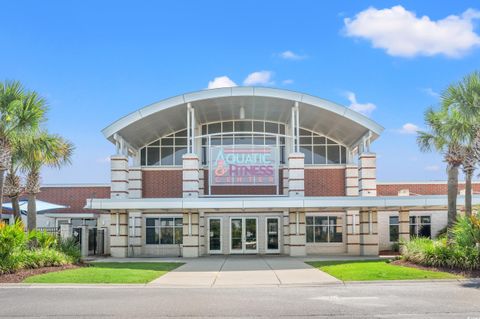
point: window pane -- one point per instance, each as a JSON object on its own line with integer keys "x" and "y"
{"x": 271, "y": 127}
{"x": 425, "y": 219}
{"x": 258, "y": 126}
{"x": 344, "y": 154}
{"x": 143, "y": 156}
{"x": 321, "y": 235}
{"x": 179, "y": 151}
{"x": 258, "y": 140}
{"x": 413, "y": 219}
{"x": 216, "y": 140}
{"x": 155, "y": 143}
{"x": 321, "y": 220}
{"x": 227, "y": 140}
{"x": 336, "y": 233}
{"x": 393, "y": 233}
{"x": 243, "y": 140}
{"x": 166, "y": 222}
{"x": 307, "y": 150}
{"x": 319, "y": 156}
{"x": 166, "y": 235}
{"x": 180, "y": 141}
{"x": 151, "y": 221}
{"x": 305, "y": 132}
{"x": 204, "y": 129}
{"x": 309, "y": 220}
{"x": 270, "y": 140}
{"x": 178, "y": 221}
{"x": 243, "y": 126}
{"x": 167, "y": 141}
{"x": 329, "y": 141}
{"x": 181, "y": 133}
{"x": 306, "y": 140}
{"x": 333, "y": 155}
{"x": 413, "y": 230}
{"x": 318, "y": 139}
{"x": 425, "y": 231}
{"x": 152, "y": 237}
{"x": 393, "y": 220}
{"x": 227, "y": 126}
{"x": 282, "y": 128}
{"x": 153, "y": 155}
{"x": 167, "y": 155}
{"x": 214, "y": 128}
{"x": 309, "y": 234}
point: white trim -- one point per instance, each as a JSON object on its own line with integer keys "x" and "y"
{"x": 210, "y": 251}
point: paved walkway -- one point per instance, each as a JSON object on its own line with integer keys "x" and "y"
{"x": 243, "y": 271}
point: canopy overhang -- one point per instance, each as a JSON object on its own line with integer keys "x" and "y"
{"x": 272, "y": 203}
{"x": 167, "y": 116}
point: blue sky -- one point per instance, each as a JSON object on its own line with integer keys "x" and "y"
{"x": 96, "y": 61}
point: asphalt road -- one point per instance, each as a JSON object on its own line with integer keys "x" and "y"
{"x": 386, "y": 300}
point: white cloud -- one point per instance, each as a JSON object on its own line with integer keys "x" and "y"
{"x": 432, "y": 168}
{"x": 259, "y": 78}
{"x": 287, "y": 81}
{"x": 290, "y": 55}
{"x": 409, "y": 128}
{"x": 221, "y": 82}
{"x": 364, "y": 108}
{"x": 401, "y": 33}
{"x": 431, "y": 92}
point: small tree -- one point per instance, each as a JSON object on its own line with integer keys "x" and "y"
{"x": 41, "y": 150}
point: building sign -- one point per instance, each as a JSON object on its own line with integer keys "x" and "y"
{"x": 243, "y": 165}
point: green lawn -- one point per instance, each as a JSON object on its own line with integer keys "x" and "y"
{"x": 108, "y": 273}
{"x": 375, "y": 270}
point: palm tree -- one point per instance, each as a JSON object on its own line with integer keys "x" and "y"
{"x": 13, "y": 190}
{"x": 43, "y": 149}
{"x": 442, "y": 138}
{"x": 462, "y": 101}
{"x": 20, "y": 114}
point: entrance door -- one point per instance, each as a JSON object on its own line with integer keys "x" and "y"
{"x": 243, "y": 235}
{"x": 273, "y": 234}
{"x": 215, "y": 235}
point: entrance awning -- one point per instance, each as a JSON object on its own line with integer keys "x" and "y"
{"x": 278, "y": 203}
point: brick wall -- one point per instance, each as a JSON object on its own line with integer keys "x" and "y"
{"x": 325, "y": 181}
{"x": 162, "y": 183}
{"x": 73, "y": 196}
{"x": 245, "y": 190}
{"x": 420, "y": 189}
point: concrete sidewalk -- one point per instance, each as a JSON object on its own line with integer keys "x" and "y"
{"x": 243, "y": 271}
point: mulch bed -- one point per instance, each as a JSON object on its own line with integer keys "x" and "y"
{"x": 20, "y": 275}
{"x": 464, "y": 273}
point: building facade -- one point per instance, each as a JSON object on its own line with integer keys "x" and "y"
{"x": 249, "y": 170}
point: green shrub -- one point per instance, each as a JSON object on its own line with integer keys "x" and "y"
{"x": 44, "y": 257}
{"x": 71, "y": 248}
{"x": 13, "y": 240}
{"x": 41, "y": 239}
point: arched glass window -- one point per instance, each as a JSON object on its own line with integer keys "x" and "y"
{"x": 168, "y": 150}
{"x": 165, "y": 151}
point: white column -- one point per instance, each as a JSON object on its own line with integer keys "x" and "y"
{"x": 367, "y": 174}
{"x": 368, "y": 233}
{"x": 135, "y": 182}
{"x": 134, "y": 233}
{"x": 191, "y": 242}
{"x": 296, "y": 177}
{"x": 191, "y": 181}
{"x": 119, "y": 234}
{"x": 297, "y": 232}
{"x": 119, "y": 176}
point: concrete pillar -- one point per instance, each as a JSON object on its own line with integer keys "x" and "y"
{"x": 296, "y": 182}
{"x": 135, "y": 182}
{"x": 368, "y": 233}
{"x": 201, "y": 181}
{"x": 403, "y": 225}
{"x": 84, "y": 241}
{"x": 66, "y": 231}
{"x": 202, "y": 231}
{"x": 134, "y": 233}
{"x": 191, "y": 241}
{"x": 353, "y": 232}
{"x": 119, "y": 176}
{"x": 286, "y": 233}
{"x": 191, "y": 181}
{"x": 119, "y": 234}
{"x": 351, "y": 180}
{"x": 367, "y": 174}
{"x": 297, "y": 234}
{"x": 284, "y": 191}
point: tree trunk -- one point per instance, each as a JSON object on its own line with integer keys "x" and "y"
{"x": 2, "y": 180}
{"x": 468, "y": 193}
{"x": 452, "y": 197}
{"x": 32, "y": 212}
{"x": 16, "y": 209}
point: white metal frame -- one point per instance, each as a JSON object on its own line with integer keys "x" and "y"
{"x": 272, "y": 251}
{"x": 243, "y": 250}
{"x": 221, "y": 235}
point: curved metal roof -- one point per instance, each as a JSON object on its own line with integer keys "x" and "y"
{"x": 164, "y": 117}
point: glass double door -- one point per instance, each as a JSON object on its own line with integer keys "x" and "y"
{"x": 243, "y": 235}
